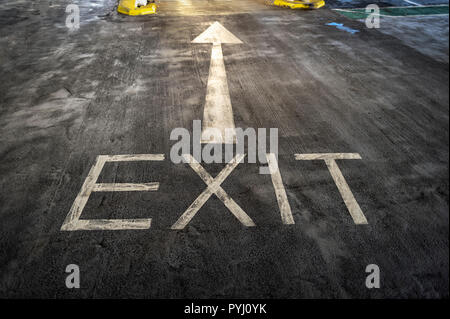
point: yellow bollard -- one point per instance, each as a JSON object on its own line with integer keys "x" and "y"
{"x": 129, "y": 7}
{"x": 300, "y": 4}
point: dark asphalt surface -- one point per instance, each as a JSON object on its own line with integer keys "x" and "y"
{"x": 120, "y": 85}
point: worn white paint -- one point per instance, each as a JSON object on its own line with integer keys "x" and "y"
{"x": 216, "y": 33}
{"x": 280, "y": 191}
{"x": 109, "y": 224}
{"x": 213, "y": 188}
{"x": 134, "y": 157}
{"x": 413, "y": 3}
{"x": 347, "y": 195}
{"x": 73, "y": 222}
{"x": 125, "y": 187}
{"x": 325, "y": 156}
{"x": 218, "y": 112}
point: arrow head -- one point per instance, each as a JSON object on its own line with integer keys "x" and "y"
{"x": 217, "y": 33}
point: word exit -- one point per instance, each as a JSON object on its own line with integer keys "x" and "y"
{"x": 213, "y": 187}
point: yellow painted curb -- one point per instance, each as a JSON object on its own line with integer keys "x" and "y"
{"x": 128, "y": 7}
{"x": 299, "y": 4}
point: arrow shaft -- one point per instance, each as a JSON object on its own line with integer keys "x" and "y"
{"x": 218, "y": 113}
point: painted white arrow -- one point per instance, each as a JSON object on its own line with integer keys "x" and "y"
{"x": 218, "y": 113}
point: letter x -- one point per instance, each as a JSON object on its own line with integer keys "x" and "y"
{"x": 213, "y": 188}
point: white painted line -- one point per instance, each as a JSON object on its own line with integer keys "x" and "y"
{"x": 413, "y": 3}
{"x": 218, "y": 112}
{"x": 324, "y": 156}
{"x": 280, "y": 192}
{"x": 73, "y": 222}
{"x": 347, "y": 195}
{"x": 134, "y": 157}
{"x": 70, "y": 223}
{"x": 213, "y": 188}
{"x": 125, "y": 187}
{"x": 112, "y": 224}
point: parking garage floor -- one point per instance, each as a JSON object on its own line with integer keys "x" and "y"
{"x": 120, "y": 85}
